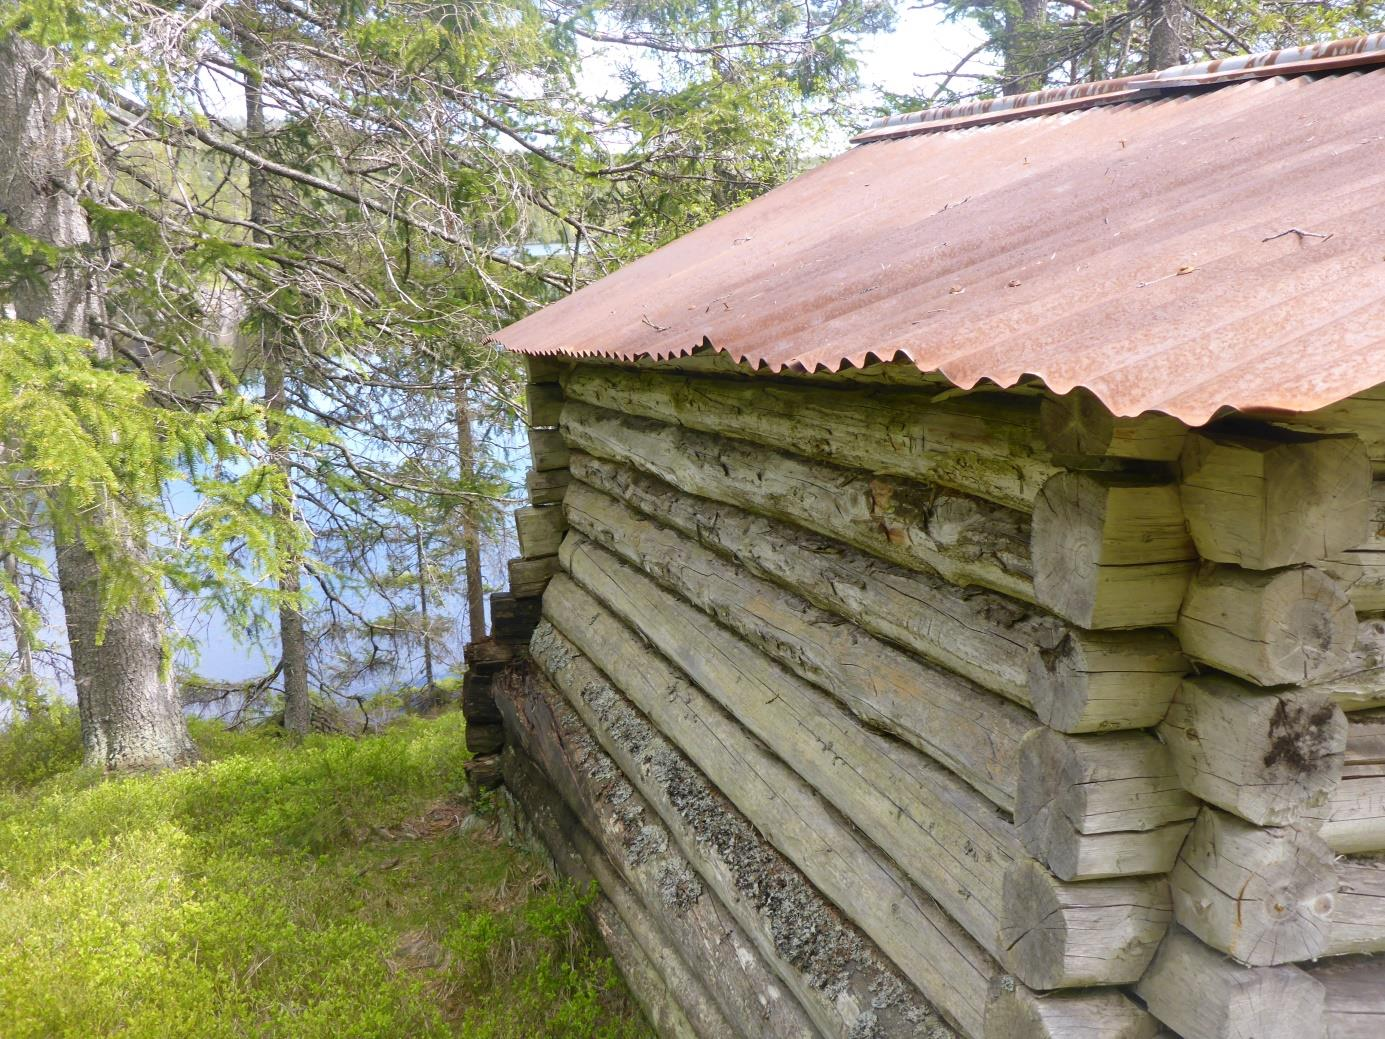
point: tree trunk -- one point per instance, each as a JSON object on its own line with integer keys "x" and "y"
{"x": 471, "y": 533}
{"x": 1017, "y": 48}
{"x": 293, "y": 642}
{"x": 131, "y": 716}
{"x": 1166, "y": 29}
{"x": 427, "y": 636}
{"x": 293, "y": 645}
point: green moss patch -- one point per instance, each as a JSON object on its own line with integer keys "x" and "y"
{"x": 343, "y": 888}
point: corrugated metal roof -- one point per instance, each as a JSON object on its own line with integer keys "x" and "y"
{"x": 1164, "y": 253}
{"x": 1315, "y": 58}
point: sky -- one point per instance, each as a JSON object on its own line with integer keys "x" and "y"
{"x": 921, "y": 43}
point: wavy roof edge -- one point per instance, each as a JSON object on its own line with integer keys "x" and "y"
{"x": 1327, "y": 56}
{"x": 939, "y": 251}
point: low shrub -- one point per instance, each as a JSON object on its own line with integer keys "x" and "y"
{"x": 39, "y": 746}
{"x": 344, "y": 888}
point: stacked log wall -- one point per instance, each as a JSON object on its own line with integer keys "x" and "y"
{"x": 514, "y": 612}
{"x": 1059, "y": 724}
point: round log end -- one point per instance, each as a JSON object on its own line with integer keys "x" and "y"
{"x": 1283, "y": 890}
{"x": 1272, "y": 627}
{"x": 1272, "y": 758}
{"x": 1055, "y": 684}
{"x": 1014, "y": 1011}
{"x": 1050, "y": 791}
{"x": 1110, "y": 550}
{"x": 1067, "y": 545}
{"x": 1311, "y": 626}
{"x": 1069, "y": 935}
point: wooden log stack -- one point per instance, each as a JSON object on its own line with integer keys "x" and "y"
{"x": 514, "y": 613}
{"x": 877, "y": 708}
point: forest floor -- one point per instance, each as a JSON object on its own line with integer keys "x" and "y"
{"x": 344, "y": 888}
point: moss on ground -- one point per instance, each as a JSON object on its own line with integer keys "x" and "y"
{"x": 342, "y": 888}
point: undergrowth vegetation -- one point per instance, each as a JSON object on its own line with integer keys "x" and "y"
{"x": 341, "y": 888}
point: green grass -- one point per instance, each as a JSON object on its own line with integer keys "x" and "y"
{"x": 344, "y": 888}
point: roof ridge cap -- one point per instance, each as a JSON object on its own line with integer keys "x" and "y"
{"x": 1329, "y": 55}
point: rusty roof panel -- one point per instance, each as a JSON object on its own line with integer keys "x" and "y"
{"x": 1184, "y": 253}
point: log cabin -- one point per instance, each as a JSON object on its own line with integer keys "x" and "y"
{"x": 952, "y": 598}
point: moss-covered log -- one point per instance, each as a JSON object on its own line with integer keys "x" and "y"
{"x": 696, "y": 737}
{"x": 607, "y": 819}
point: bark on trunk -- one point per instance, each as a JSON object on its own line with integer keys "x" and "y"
{"x": 1018, "y": 47}
{"x": 129, "y": 708}
{"x": 422, "y": 576}
{"x": 471, "y": 533}
{"x": 293, "y": 643}
{"x": 130, "y": 712}
{"x": 1166, "y": 34}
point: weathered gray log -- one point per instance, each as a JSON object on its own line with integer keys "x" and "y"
{"x": 1270, "y": 627}
{"x": 1355, "y": 996}
{"x": 1078, "y": 680}
{"x": 1356, "y": 807}
{"x": 482, "y": 738}
{"x": 1098, "y": 681}
{"x": 830, "y": 967}
{"x": 976, "y": 734}
{"x": 1360, "y": 570}
{"x": 1362, "y": 414}
{"x": 757, "y": 882}
{"x": 1272, "y": 757}
{"x": 513, "y": 617}
{"x": 547, "y": 451}
{"x": 962, "y": 539}
{"x": 1264, "y": 498}
{"x": 1358, "y": 922}
{"x": 1070, "y": 935}
{"x": 540, "y": 529}
{"x": 545, "y": 369}
{"x": 609, "y": 818}
{"x": 483, "y": 773}
{"x": 1110, "y": 550}
{"x": 546, "y": 488}
{"x": 543, "y": 402}
{"x": 1130, "y": 787}
{"x": 931, "y": 949}
{"x": 1201, "y": 994}
{"x": 1018, "y": 1012}
{"x": 949, "y": 839}
{"x": 1261, "y": 895}
{"x": 1361, "y": 684}
{"x": 478, "y": 705}
{"x": 944, "y": 834}
{"x": 1078, "y": 423}
{"x": 531, "y": 576}
{"x": 985, "y": 444}
{"x": 487, "y": 654}
{"x": 1101, "y": 806}
{"x": 673, "y": 999}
